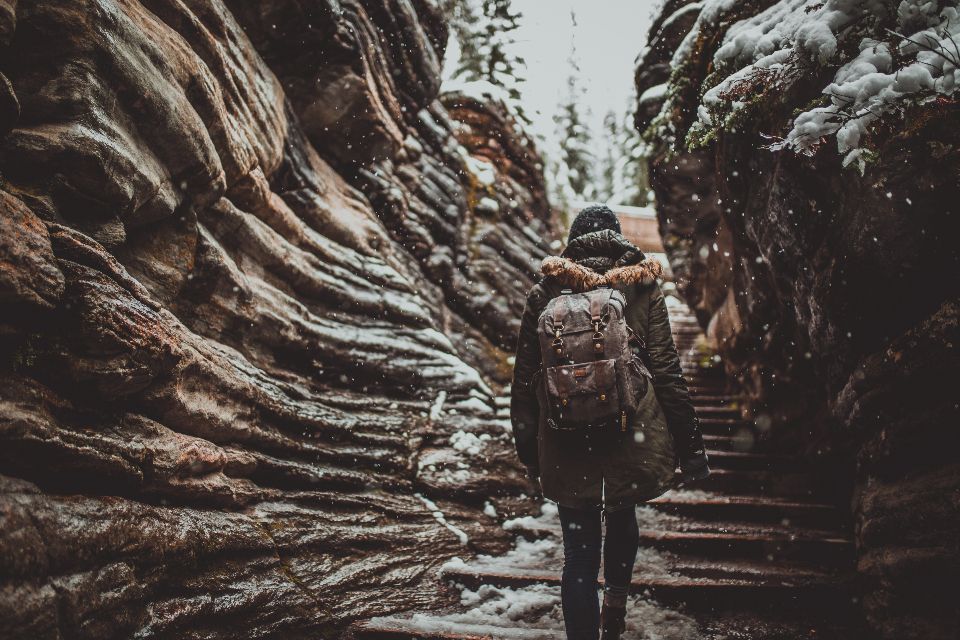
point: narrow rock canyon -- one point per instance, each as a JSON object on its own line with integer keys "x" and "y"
{"x": 260, "y": 281}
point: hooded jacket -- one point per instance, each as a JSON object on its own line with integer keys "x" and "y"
{"x": 616, "y": 468}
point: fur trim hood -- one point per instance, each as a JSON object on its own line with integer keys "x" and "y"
{"x": 581, "y": 278}
{"x": 601, "y": 258}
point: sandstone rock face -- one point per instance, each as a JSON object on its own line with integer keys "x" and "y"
{"x": 258, "y": 285}
{"x": 831, "y": 294}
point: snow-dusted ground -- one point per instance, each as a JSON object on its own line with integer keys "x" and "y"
{"x": 534, "y": 611}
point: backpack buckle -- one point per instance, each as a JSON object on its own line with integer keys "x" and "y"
{"x": 557, "y": 344}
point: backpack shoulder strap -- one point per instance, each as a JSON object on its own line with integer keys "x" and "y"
{"x": 598, "y": 302}
{"x": 561, "y": 307}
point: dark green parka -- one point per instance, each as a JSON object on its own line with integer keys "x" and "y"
{"x": 615, "y": 468}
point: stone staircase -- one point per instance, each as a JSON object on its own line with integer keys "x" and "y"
{"x": 755, "y": 551}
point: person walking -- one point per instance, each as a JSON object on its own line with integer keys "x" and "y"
{"x": 601, "y": 413}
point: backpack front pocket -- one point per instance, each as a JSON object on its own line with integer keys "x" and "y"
{"x": 583, "y": 395}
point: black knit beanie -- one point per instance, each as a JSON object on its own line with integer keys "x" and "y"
{"x": 593, "y": 218}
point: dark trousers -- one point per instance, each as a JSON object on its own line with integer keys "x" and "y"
{"x": 582, "y": 547}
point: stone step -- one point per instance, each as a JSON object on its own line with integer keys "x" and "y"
{"x": 820, "y": 548}
{"x": 744, "y": 568}
{"x": 737, "y": 590}
{"x": 691, "y": 354}
{"x": 747, "y": 461}
{"x": 767, "y": 483}
{"x": 722, "y": 426}
{"x": 720, "y": 539}
{"x": 693, "y": 372}
{"x": 702, "y": 387}
{"x": 706, "y": 390}
{"x": 437, "y": 628}
{"x": 720, "y": 400}
{"x": 716, "y": 411}
{"x": 689, "y": 349}
{"x": 763, "y": 509}
{"x": 695, "y": 367}
{"x": 701, "y": 377}
{"x": 727, "y": 443}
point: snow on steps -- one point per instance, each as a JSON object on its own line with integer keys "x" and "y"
{"x": 804, "y": 590}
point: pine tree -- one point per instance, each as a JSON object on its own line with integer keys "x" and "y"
{"x": 609, "y": 169}
{"x": 503, "y": 66}
{"x": 632, "y": 182}
{"x": 623, "y": 175}
{"x": 485, "y": 30}
{"x": 464, "y": 19}
{"x": 576, "y": 158}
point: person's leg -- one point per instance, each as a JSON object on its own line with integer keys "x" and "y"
{"x": 619, "y": 553}
{"x": 581, "y": 565}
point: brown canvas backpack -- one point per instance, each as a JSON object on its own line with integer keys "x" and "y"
{"x": 592, "y": 376}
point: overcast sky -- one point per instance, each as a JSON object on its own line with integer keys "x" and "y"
{"x": 608, "y": 36}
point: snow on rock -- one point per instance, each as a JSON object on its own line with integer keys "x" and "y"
{"x": 488, "y": 206}
{"x": 469, "y": 443}
{"x": 907, "y": 55}
{"x": 872, "y": 84}
{"x": 472, "y": 404}
{"x": 436, "y": 409}
{"x": 653, "y": 94}
{"x": 484, "y": 172}
{"x": 483, "y": 92}
{"x": 439, "y": 517}
{"x": 808, "y": 26}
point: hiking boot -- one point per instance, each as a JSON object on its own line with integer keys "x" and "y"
{"x": 612, "y": 622}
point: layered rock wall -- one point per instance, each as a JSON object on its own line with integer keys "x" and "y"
{"x": 257, "y": 282}
{"x": 827, "y": 280}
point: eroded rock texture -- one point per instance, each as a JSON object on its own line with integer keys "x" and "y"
{"x": 832, "y": 295}
{"x": 256, "y": 283}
